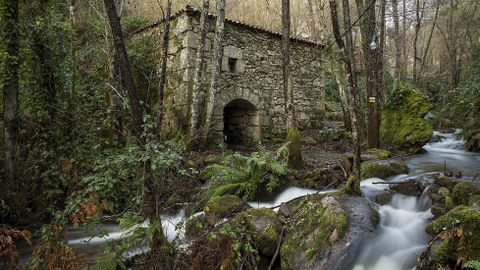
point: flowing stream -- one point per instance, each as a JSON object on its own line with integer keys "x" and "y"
{"x": 400, "y": 236}
{"x": 401, "y": 233}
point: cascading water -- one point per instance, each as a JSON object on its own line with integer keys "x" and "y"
{"x": 401, "y": 234}
{"x": 394, "y": 246}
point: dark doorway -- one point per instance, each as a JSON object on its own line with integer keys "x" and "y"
{"x": 241, "y": 123}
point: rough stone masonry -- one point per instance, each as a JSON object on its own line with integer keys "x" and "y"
{"x": 251, "y": 103}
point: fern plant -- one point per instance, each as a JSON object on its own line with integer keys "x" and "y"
{"x": 472, "y": 264}
{"x": 241, "y": 175}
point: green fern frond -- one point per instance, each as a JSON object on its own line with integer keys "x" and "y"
{"x": 472, "y": 264}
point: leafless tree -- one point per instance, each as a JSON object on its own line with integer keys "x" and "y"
{"x": 216, "y": 69}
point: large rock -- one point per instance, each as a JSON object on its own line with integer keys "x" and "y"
{"x": 325, "y": 231}
{"x": 220, "y": 207}
{"x": 265, "y": 227}
{"x": 460, "y": 229}
{"x": 403, "y": 124}
{"x": 382, "y": 169}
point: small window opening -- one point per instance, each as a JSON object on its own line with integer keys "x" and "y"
{"x": 232, "y": 65}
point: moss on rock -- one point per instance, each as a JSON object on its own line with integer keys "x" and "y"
{"x": 353, "y": 185}
{"x": 382, "y": 170}
{"x": 316, "y": 224}
{"x": 295, "y": 160}
{"x": 465, "y": 222}
{"x": 462, "y": 192}
{"x": 265, "y": 227}
{"x": 220, "y": 206}
{"x": 403, "y": 124}
{"x": 380, "y": 153}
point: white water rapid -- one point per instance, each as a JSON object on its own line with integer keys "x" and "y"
{"x": 401, "y": 233}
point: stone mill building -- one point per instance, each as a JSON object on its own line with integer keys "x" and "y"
{"x": 251, "y": 102}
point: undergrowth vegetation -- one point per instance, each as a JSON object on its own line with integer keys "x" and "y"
{"x": 242, "y": 175}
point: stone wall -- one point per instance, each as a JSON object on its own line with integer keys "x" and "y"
{"x": 251, "y": 71}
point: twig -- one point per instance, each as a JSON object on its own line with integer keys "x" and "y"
{"x": 343, "y": 169}
{"x": 392, "y": 183}
{"x": 277, "y": 249}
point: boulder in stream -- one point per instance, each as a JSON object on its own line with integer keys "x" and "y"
{"x": 382, "y": 169}
{"x": 325, "y": 231}
{"x": 219, "y": 207}
{"x": 264, "y": 226}
{"x": 459, "y": 240}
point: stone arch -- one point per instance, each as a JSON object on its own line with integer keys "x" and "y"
{"x": 241, "y": 122}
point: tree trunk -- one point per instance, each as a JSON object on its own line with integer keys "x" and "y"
{"x": 344, "y": 99}
{"x": 295, "y": 160}
{"x": 371, "y": 64}
{"x": 287, "y": 78}
{"x": 353, "y": 187}
{"x": 163, "y": 68}
{"x": 404, "y": 41}
{"x": 198, "y": 77}
{"x": 217, "y": 65}
{"x": 11, "y": 116}
{"x": 398, "y": 47}
{"x": 127, "y": 77}
{"x": 425, "y": 53}
{"x": 382, "y": 86}
{"x": 159, "y": 240}
{"x": 415, "y": 40}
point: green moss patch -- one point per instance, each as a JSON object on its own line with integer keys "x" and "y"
{"x": 265, "y": 227}
{"x": 462, "y": 192}
{"x": 316, "y": 224}
{"x": 295, "y": 160}
{"x": 382, "y": 170}
{"x": 403, "y": 124}
{"x": 464, "y": 224}
{"x": 380, "y": 153}
{"x": 220, "y": 206}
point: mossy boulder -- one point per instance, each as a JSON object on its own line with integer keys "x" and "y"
{"x": 474, "y": 201}
{"x": 463, "y": 241}
{"x": 380, "y": 153}
{"x": 295, "y": 160}
{"x": 219, "y": 207}
{"x": 326, "y": 231}
{"x": 462, "y": 192}
{"x": 264, "y": 226}
{"x": 382, "y": 170}
{"x": 403, "y": 124}
{"x": 315, "y": 225}
{"x": 410, "y": 188}
{"x": 446, "y": 182}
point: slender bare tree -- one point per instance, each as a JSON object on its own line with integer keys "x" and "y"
{"x": 216, "y": 69}
{"x": 372, "y": 65}
{"x": 151, "y": 196}
{"x": 163, "y": 68}
{"x": 429, "y": 40}
{"x": 418, "y": 24}
{"x": 346, "y": 50}
{"x": 11, "y": 106}
{"x": 198, "y": 80}
{"x": 287, "y": 78}
{"x": 127, "y": 77}
{"x": 398, "y": 46}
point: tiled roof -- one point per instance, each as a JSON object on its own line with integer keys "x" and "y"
{"x": 195, "y": 12}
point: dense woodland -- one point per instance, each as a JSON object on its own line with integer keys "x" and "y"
{"x": 83, "y": 145}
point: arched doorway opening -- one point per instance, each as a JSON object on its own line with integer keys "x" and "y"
{"x": 241, "y": 122}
